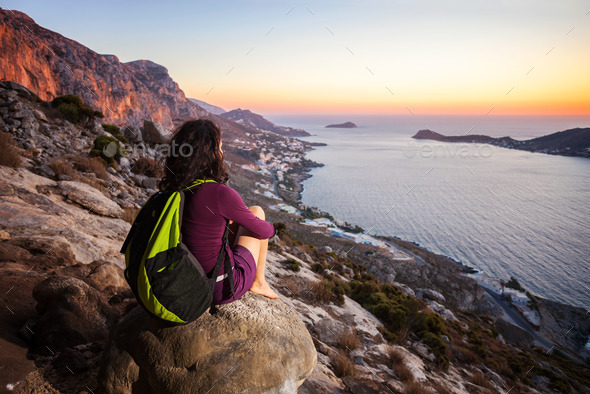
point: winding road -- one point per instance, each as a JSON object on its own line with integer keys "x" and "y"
{"x": 514, "y": 317}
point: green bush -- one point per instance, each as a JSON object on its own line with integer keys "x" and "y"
{"x": 333, "y": 255}
{"x": 556, "y": 383}
{"x": 318, "y": 268}
{"x": 367, "y": 294}
{"x": 438, "y": 346}
{"x": 330, "y": 291}
{"x": 72, "y": 108}
{"x": 107, "y": 148}
{"x": 115, "y": 131}
{"x": 428, "y": 322}
{"x": 340, "y": 289}
{"x": 69, "y": 111}
{"x": 368, "y": 277}
{"x": 477, "y": 345}
{"x": 68, "y": 99}
{"x": 394, "y": 318}
{"x": 513, "y": 284}
{"x": 322, "y": 292}
{"x": 400, "y": 313}
{"x": 292, "y": 264}
{"x": 280, "y": 228}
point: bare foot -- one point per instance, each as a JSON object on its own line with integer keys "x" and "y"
{"x": 263, "y": 289}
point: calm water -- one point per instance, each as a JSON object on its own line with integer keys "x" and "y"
{"x": 505, "y": 212}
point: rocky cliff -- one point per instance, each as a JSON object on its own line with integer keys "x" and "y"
{"x": 52, "y": 65}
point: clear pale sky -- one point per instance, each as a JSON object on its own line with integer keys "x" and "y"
{"x": 461, "y": 57}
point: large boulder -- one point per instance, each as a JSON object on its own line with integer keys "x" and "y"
{"x": 133, "y": 134}
{"x": 254, "y": 344}
{"x": 104, "y": 276}
{"x": 156, "y": 133}
{"x": 90, "y": 198}
{"x": 430, "y": 294}
{"x": 71, "y": 313}
{"x": 330, "y": 331}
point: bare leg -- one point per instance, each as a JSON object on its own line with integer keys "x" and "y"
{"x": 258, "y": 248}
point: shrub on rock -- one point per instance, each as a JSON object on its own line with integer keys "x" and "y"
{"x": 115, "y": 131}
{"x": 292, "y": 265}
{"x": 11, "y": 155}
{"x": 72, "y": 108}
{"x": 96, "y": 165}
{"x": 107, "y": 148}
{"x": 148, "y": 167}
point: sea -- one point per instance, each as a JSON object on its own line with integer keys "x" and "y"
{"x": 503, "y": 212}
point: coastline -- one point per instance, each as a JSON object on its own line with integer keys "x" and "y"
{"x": 546, "y": 324}
{"x": 299, "y": 178}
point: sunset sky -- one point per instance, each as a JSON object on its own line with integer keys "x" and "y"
{"x": 462, "y": 57}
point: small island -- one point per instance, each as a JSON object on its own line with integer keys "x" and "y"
{"x": 347, "y": 125}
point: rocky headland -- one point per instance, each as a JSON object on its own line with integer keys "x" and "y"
{"x": 572, "y": 142}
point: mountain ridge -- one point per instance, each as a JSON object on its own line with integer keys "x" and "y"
{"x": 51, "y": 65}
{"x": 214, "y": 109}
{"x": 251, "y": 119}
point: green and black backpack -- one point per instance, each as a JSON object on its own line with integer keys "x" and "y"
{"x": 165, "y": 276}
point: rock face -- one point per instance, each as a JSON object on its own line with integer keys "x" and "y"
{"x": 90, "y": 198}
{"x": 559, "y": 318}
{"x": 430, "y": 294}
{"x": 156, "y": 133}
{"x": 52, "y": 65}
{"x": 251, "y": 345}
{"x": 34, "y": 210}
{"x": 514, "y": 334}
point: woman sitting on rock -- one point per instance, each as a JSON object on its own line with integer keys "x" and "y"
{"x": 207, "y": 207}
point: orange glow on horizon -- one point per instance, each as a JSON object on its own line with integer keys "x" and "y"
{"x": 285, "y": 105}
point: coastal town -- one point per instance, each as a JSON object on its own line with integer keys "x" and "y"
{"x": 284, "y": 161}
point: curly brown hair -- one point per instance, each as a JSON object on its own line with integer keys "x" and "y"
{"x": 205, "y": 160}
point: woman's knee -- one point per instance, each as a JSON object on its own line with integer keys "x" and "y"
{"x": 257, "y": 211}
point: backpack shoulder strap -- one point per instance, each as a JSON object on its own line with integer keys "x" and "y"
{"x": 139, "y": 219}
{"x": 223, "y": 258}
